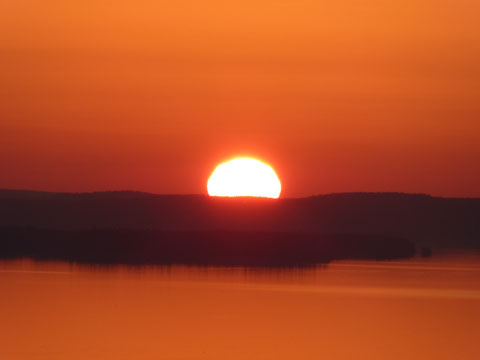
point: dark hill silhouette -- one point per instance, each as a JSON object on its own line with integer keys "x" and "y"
{"x": 427, "y": 221}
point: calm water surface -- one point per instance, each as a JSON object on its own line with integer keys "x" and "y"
{"x": 415, "y": 309}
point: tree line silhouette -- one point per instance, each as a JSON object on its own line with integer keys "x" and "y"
{"x": 225, "y": 248}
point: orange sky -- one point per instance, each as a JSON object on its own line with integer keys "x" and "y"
{"x": 151, "y": 95}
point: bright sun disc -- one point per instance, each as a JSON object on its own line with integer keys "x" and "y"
{"x": 244, "y": 177}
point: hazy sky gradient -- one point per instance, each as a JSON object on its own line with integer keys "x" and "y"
{"x": 151, "y": 95}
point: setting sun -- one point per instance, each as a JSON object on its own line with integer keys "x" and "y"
{"x": 244, "y": 177}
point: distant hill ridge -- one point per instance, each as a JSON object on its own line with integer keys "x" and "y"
{"x": 424, "y": 219}
{"x": 33, "y": 194}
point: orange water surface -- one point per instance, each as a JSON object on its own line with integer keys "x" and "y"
{"x": 413, "y": 309}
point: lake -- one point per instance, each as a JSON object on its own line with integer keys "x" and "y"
{"x": 422, "y": 308}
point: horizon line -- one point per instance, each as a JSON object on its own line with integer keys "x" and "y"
{"x": 249, "y": 197}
